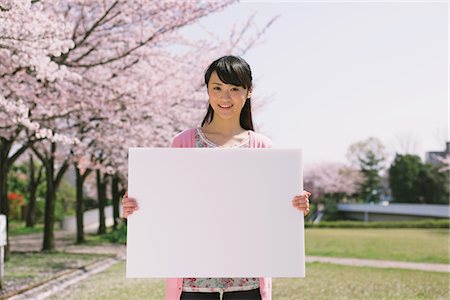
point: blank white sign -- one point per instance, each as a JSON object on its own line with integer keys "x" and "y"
{"x": 3, "y": 231}
{"x": 208, "y": 212}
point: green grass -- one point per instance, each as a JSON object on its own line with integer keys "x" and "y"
{"x": 118, "y": 236}
{"x": 414, "y": 245}
{"x": 24, "y": 269}
{"x": 18, "y": 228}
{"x": 327, "y": 281}
{"x": 112, "y": 284}
{"x": 323, "y": 281}
{"x": 93, "y": 239}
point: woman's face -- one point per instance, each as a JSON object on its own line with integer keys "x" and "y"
{"x": 226, "y": 100}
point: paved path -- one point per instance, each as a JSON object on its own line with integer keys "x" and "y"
{"x": 375, "y": 263}
{"x": 64, "y": 241}
{"x": 33, "y": 242}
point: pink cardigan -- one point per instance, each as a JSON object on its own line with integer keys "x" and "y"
{"x": 185, "y": 139}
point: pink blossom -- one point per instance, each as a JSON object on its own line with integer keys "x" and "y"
{"x": 327, "y": 178}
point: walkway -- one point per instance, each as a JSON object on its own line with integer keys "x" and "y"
{"x": 374, "y": 263}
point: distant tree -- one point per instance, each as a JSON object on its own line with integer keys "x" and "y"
{"x": 412, "y": 181}
{"x": 65, "y": 200}
{"x": 369, "y": 156}
{"x": 403, "y": 174}
{"x": 432, "y": 185}
{"x": 34, "y": 179}
{"x": 330, "y": 183}
{"x": 17, "y": 181}
{"x": 327, "y": 179}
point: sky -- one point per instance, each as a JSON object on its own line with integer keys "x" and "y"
{"x": 337, "y": 73}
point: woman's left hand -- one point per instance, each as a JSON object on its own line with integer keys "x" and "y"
{"x": 301, "y": 202}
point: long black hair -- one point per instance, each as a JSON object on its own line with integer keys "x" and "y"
{"x": 232, "y": 70}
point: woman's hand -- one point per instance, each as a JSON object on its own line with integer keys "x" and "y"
{"x": 129, "y": 205}
{"x": 301, "y": 202}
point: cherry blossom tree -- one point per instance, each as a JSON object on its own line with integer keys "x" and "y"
{"x": 445, "y": 161}
{"x": 133, "y": 91}
{"x": 82, "y": 80}
{"x": 110, "y": 41}
{"x": 28, "y": 36}
{"x": 158, "y": 106}
{"x": 330, "y": 183}
{"x": 331, "y": 178}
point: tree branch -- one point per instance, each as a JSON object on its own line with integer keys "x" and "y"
{"x": 61, "y": 173}
{"x": 95, "y": 25}
{"x": 129, "y": 51}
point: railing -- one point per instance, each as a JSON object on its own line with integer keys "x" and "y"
{"x": 413, "y": 210}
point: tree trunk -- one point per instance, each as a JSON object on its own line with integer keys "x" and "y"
{"x": 6, "y": 160}
{"x": 5, "y": 147}
{"x": 49, "y": 218}
{"x": 80, "y": 206}
{"x": 80, "y": 202}
{"x": 115, "y": 200}
{"x": 50, "y": 199}
{"x": 33, "y": 186}
{"x": 32, "y": 195}
{"x": 101, "y": 192}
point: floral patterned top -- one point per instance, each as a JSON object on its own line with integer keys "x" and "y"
{"x": 201, "y": 141}
{"x": 218, "y": 284}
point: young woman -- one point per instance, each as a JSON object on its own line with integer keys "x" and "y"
{"x": 228, "y": 123}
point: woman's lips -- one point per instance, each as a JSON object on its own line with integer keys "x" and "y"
{"x": 226, "y": 106}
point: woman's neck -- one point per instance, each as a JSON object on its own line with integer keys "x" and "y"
{"x": 223, "y": 127}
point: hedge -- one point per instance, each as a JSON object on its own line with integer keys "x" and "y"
{"x": 425, "y": 223}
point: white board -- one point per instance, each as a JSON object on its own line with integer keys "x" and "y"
{"x": 209, "y": 212}
{"x": 3, "y": 231}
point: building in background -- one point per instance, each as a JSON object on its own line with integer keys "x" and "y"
{"x": 432, "y": 157}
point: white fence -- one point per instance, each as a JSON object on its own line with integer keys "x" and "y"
{"x": 395, "y": 211}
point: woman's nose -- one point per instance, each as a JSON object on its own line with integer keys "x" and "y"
{"x": 226, "y": 95}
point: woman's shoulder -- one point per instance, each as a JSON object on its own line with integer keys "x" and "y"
{"x": 259, "y": 140}
{"x": 184, "y": 139}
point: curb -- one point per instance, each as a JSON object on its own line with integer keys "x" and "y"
{"x": 61, "y": 280}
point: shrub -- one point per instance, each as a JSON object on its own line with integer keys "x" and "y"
{"x": 118, "y": 236}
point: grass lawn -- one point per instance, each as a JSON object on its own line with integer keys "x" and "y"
{"x": 414, "y": 245}
{"x": 112, "y": 284}
{"x": 111, "y": 236}
{"x": 323, "y": 281}
{"x": 328, "y": 281}
{"x": 24, "y": 269}
{"x": 18, "y": 228}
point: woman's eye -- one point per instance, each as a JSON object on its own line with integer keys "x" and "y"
{"x": 216, "y": 88}
{"x": 235, "y": 89}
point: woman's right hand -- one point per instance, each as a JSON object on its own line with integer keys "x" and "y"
{"x": 129, "y": 205}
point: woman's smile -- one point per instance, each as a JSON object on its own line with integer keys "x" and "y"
{"x": 225, "y": 106}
